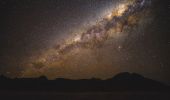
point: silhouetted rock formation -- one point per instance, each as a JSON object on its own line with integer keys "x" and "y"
{"x": 121, "y": 82}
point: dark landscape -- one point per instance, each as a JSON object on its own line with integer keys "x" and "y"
{"x": 120, "y": 87}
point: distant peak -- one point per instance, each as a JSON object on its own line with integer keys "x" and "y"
{"x": 125, "y": 75}
{"x": 2, "y": 77}
{"x": 43, "y": 78}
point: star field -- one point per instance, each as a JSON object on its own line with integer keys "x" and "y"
{"x": 81, "y": 39}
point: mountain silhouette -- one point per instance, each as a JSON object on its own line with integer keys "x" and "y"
{"x": 121, "y": 82}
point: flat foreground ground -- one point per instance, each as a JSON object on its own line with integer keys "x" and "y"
{"x": 13, "y": 95}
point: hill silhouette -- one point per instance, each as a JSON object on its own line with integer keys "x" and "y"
{"x": 121, "y": 82}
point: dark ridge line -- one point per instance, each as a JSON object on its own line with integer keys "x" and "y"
{"x": 121, "y": 82}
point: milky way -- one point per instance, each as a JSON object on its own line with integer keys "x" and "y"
{"x": 82, "y": 54}
{"x": 82, "y": 39}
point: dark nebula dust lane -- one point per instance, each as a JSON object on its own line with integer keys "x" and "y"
{"x": 81, "y": 39}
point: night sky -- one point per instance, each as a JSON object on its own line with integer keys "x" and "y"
{"x": 81, "y": 39}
